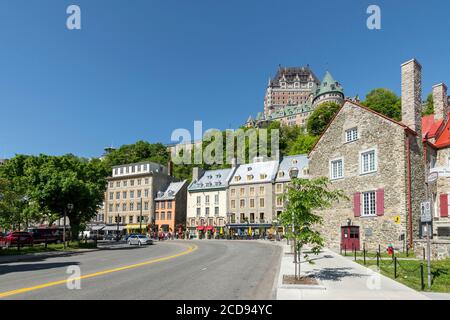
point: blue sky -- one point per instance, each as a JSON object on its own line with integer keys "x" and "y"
{"x": 140, "y": 69}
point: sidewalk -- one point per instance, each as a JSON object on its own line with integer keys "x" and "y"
{"x": 340, "y": 279}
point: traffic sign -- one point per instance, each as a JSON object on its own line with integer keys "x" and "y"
{"x": 397, "y": 219}
{"x": 425, "y": 212}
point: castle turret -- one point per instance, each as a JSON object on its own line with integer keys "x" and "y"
{"x": 329, "y": 91}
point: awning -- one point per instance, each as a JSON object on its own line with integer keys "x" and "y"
{"x": 97, "y": 228}
{"x": 113, "y": 228}
{"x": 208, "y": 228}
{"x": 135, "y": 226}
{"x": 200, "y": 228}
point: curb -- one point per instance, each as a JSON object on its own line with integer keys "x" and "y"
{"x": 32, "y": 256}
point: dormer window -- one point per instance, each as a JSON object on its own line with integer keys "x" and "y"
{"x": 281, "y": 174}
{"x": 250, "y": 177}
{"x": 237, "y": 178}
{"x": 263, "y": 176}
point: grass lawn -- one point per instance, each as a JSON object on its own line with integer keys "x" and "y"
{"x": 50, "y": 247}
{"x": 408, "y": 273}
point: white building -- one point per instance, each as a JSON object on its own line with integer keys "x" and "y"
{"x": 207, "y": 201}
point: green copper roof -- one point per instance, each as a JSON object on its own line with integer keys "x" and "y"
{"x": 329, "y": 85}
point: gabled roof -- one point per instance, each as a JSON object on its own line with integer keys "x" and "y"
{"x": 289, "y": 162}
{"x": 347, "y": 102}
{"x": 256, "y": 172}
{"x": 212, "y": 179}
{"x": 443, "y": 138}
{"x": 171, "y": 191}
{"x": 430, "y": 127}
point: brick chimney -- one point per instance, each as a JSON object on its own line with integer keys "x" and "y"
{"x": 440, "y": 101}
{"x": 412, "y": 95}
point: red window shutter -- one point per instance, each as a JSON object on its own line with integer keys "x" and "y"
{"x": 357, "y": 204}
{"x": 380, "y": 202}
{"x": 444, "y": 205}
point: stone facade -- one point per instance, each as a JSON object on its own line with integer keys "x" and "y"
{"x": 440, "y": 249}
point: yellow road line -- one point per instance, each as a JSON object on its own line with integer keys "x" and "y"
{"x": 96, "y": 274}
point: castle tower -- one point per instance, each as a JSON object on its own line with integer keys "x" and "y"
{"x": 329, "y": 91}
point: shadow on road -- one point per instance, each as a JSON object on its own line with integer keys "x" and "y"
{"x": 34, "y": 267}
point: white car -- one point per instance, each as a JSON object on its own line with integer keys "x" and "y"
{"x": 139, "y": 239}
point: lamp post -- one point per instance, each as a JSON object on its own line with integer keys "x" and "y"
{"x": 293, "y": 174}
{"x": 117, "y": 234}
{"x": 140, "y": 219}
{"x": 69, "y": 207}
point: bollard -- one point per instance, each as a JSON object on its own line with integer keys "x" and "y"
{"x": 345, "y": 250}
{"x": 393, "y": 253}
{"x": 423, "y": 250}
{"x": 355, "y": 254}
{"x": 395, "y": 268}
{"x": 364, "y": 252}
{"x": 378, "y": 260}
{"x": 421, "y": 277}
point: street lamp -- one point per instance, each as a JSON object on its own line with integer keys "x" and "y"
{"x": 293, "y": 173}
{"x": 70, "y": 208}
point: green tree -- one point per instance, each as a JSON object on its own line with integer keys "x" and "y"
{"x": 429, "y": 108}
{"x": 302, "y": 144}
{"x": 299, "y": 220}
{"x": 321, "y": 117}
{"x": 384, "y": 101}
{"x": 137, "y": 152}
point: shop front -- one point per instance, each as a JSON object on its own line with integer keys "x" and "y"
{"x": 136, "y": 228}
{"x": 248, "y": 230}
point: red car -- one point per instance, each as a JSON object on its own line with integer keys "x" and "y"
{"x": 13, "y": 238}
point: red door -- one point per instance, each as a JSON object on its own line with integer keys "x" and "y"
{"x": 350, "y": 238}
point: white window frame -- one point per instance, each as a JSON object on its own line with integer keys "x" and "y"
{"x": 331, "y": 168}
{"x": 361, "y": 164}
{"x": 347, "y": 140}
{"x": 363, "y": 194}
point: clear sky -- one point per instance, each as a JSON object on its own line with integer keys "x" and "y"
{"x": 142, "y": 68}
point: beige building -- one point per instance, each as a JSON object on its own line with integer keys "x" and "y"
{"x": 130, "y": 193}
{"x": 379, "y": 164}
{"x": 251, "y": 197}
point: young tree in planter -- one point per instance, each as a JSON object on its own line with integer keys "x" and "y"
{"x": 299, "y": 220}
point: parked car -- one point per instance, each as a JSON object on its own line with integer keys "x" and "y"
{"x": 139, "y": 239}
{"x": 21, "y": 237}
{"x": 129, "y": 235}
{"x": 47, "y": 235}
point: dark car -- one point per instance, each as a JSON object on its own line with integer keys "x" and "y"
{"x": 18, "y": 237}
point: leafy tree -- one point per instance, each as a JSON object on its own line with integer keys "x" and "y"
{"x": 321, "y": 117}
{"x": 302, "y": 144}
{"x": 384, "y": 101}
{"x": 299, "y": 220}
{"x": 137, "y": 152}
{"x": 429, "y": 108}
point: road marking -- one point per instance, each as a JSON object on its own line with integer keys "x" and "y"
{"x": 96, "y": 274}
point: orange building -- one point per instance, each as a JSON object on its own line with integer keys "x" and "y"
{"x": 170, "y": 207}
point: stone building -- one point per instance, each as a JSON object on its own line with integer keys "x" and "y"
{"x": 207, "y": 205}
{"x": 251, "y": 197}
{"x": 436, "y": 137}
{"x": 293, "y": 95}
{"x": 379, "y": 164}
{"x": 130, "y": 195}
{"x": 170, "y": 207}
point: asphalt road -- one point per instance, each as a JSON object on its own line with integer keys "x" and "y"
{"x": 178, "y": 270}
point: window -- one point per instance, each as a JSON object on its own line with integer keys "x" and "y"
{"x": 145, "y": 205}
{"x": 216, "y": 199}
{"x": 261, "y": 190}
{"x": 117, "y": 207}
{"x": 337, "y": 169}
{"x": 207, "y": 200}
{"x": 130, "y": 219}
{"x": 198, "y": 212}
{"x": 111, "y": 184}
{"x": 125, "y": 183}
{"x": 369, "y": 204}
{"x": 169, "y": 204}
{"x": 233, "y": 192}
{"x": 139, "y": 193}
{"x": 242, "y": 191}
{"x": 252, "y": 203}
{"x": 233, "y": 204}
{"x": 242, "y": 203}
{"x": 124, "y": 207}
{"x": 139, "y": 182}
{"x": 131, "y": 206}
{"x": 199, "y": 200}
{"x": 252, "y": 191}
{"x": 242, "y": 217}
{"x": 368, "y": 162}
{"x": 124, "y": 194}
{"x": 110, "y": 207}
{"x": 131, "y": 194}
{"x": 351, "y": 135}
{"x": 118, "y": 184}
{"x": 156, "y": 205}
{"x": 157, "y": 216}
{"x": 216, "y": 211}
{"x": 207, "y": 212}
{"x": 163, "y": 205}
{"x": 279, "y": 188}
{"x": 252, "y": 217}
{"x": 261, "y": 217}
{"x": 261, "y": 202}
{"x": 279, "y": 201}
{"x": 132, "y": 183}
{"x": 146, "y": 180}
{"x": 163, "y": 216}
{"x": 169, "y": 215}
{"x": 111, "y": 195}
{"x": 117, "y": 195}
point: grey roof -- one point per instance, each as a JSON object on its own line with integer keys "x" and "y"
{"x": 251, "y": 173}
{"x": 171, "y": 191}
{"x": 298, "y": 161}
{"x": 293, "y": 73}
{"x": 212, "y": 179}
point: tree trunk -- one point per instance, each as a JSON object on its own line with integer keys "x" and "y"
{"x": 74, "y": 228}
